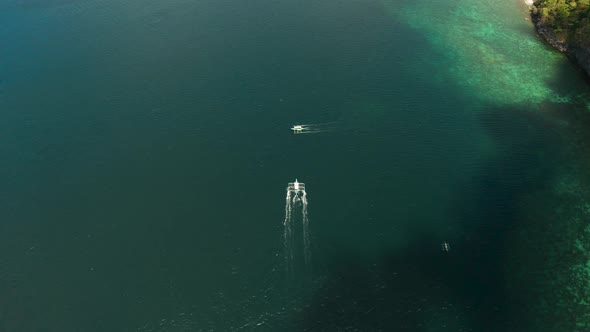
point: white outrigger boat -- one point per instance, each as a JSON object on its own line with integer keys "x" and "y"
{"x": 297, "y": 129}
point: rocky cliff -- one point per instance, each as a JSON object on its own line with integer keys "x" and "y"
{"x": 566, "y": 26}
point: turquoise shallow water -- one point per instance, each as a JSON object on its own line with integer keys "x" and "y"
{"x": 147, "y": 150}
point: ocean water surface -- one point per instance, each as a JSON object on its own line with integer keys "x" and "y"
{"x": 147, "y": 149}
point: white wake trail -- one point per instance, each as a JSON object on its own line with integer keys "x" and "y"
{"x": 288, "y": 235}
{"x": 296, "y": 245}
{"x": 306, "y": 235}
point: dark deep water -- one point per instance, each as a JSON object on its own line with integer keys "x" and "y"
{"x": 146, "y": 150}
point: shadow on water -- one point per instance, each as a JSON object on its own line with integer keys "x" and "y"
{"x": 569, "y": 79}
{"x": 526, "y": 139}
{"x": 422, "y": 288}
{"x": 546, "y": 283}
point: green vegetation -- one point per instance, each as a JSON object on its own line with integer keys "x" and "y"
{"x": 569, "y": 19}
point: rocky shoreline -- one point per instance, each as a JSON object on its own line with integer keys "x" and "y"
{"x": 578, "y": 52}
